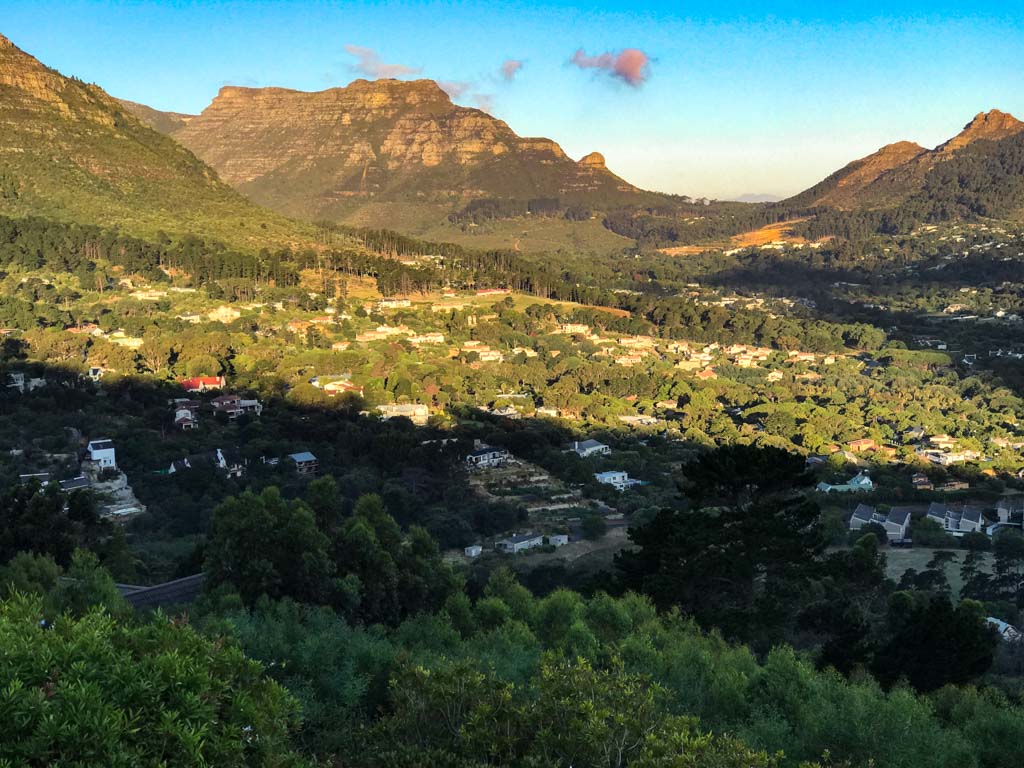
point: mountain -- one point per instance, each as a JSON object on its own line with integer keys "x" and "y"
{"x": 71, "y": 152}
{"x": 898, "y": 172}
{"x": 164, "y": 122}
{"x": 311, "y": 154}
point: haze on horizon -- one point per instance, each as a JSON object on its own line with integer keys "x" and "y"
{"x": 717, "y": 102}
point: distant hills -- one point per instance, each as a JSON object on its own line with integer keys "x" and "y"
{"x": 314, "y": 154}
{"x": 71, "y": 152}
{"x": 897, "y": 173}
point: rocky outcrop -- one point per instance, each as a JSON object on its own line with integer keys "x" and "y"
{"x": 392, "y": 140}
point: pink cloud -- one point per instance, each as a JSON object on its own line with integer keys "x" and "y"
{"x": 510, "y": 68}
{"x": 484, "y": 101}
{"x": 454, "y": 88}
{"x": 370, "y": 64}
{"x": 630, "y": 65}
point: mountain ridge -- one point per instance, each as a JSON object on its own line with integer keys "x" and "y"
{"x": 307, "y": 153}
{"x": 897, "y": 171}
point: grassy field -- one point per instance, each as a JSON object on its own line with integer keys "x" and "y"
{"x": 899, "y": 560}
{"x": 527, "y": 234}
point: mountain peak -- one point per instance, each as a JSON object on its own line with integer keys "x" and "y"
{"x": 6, "y": 43}
{"x": 991, "y": 126}
{"x": 593, "y": 160}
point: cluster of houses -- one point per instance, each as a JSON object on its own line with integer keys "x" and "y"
{"x": 23, "y": 383}
{"x": 941, "y": 450}
{"x": 98, "y": 471}
{"x": 187, "y": 410}
{"x": 229, "y": 462}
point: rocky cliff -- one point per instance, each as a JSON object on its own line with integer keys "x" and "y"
{"x": 385, "y": 140}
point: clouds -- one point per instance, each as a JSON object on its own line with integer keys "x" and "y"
{"x": 509, "y": 69}
{"x": 630, "y": 65}
{"x": 484, "y": 101}
{"x": 454, "y": 88}
{"x": 370, "y": 64}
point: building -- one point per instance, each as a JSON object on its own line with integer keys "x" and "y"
{"x": 473, "y": 550}
{"x": 558, "y": 539}
{"x": 859, "y": 484}
{"x": 417, "y": 413}
{"x": 485, "y": 456}
{"x": 1007, "y": 632}
{"x": 896, "y": 523}
{"x": 101, "y": 452}
{"x": 305, "y": 463}
{"x": 203, "y": 383}
{"x": 75, "y": 484}
{"x": 618, "y": 479}
{"x": 185, "y": 418}
{"x": 863, "y": 444}
{"x": 519, "y": 542}
{"x": 588, "y": 448}
{"x": 922, "y": 482}
{"x": 234, "y": 406}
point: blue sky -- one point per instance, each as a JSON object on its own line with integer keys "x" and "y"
{"x": 739, "y": 97}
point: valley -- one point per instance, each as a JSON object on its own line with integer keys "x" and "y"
{"x": 435, "y": 446}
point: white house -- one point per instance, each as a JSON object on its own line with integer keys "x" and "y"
{"x": 102, "y": 453}
{"x": 558, "y": 539}
{"x": 417, "y": 413}
{"x": 473, "y": 550}
{"x": 587, "y": 448}
{"x": 618, "y": 479}
{"x": 486, "y": 456}
{"x": 519, "y": 542}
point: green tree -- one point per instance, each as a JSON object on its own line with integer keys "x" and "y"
{"x": 97, "y": 691}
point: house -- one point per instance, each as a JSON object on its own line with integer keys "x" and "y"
{"x": 971, "y": 520}
{"x": 74, "y": 484}
{"x": 588, "y": 448}
{"x": 393, "y": 304}
{"x": 519, "y": 542}
{"x": 97, "y": 372}
{"x": 618, "y": 479}
{"x": 203, "y": 383}
{"x": 574, "y": 328}
{"x": 417, "y": 413}
{"x": 473, "y": 550}
{"x": 1007, "y": 512}
{"x": 953, "y": 485}
{"x": 862, "y": 515}
{"x": 43, "y": 478}
{"x": 234, "y": 406}
{"x": 859, "y": 484}
{"x": 305, "y": 463}
{"x": 937, "y": 513}
{"x": 230, "y": 462}
{"x": 101, "y": 452}
{"x": 707, "y": 374}
{"x": 921, "y": 482}
{"x": 557, "y": 539}
{"x": 1007, "y": 632}
{"x": 485, "y": 456}
{"x": 913, "y": 435}
{"x": 862, "y": 444}
{"x": 185, "y": 419}
{"x": 339, "y": 387}
{"x": 19, "y": 382}
{"x": 895, "y": 523}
